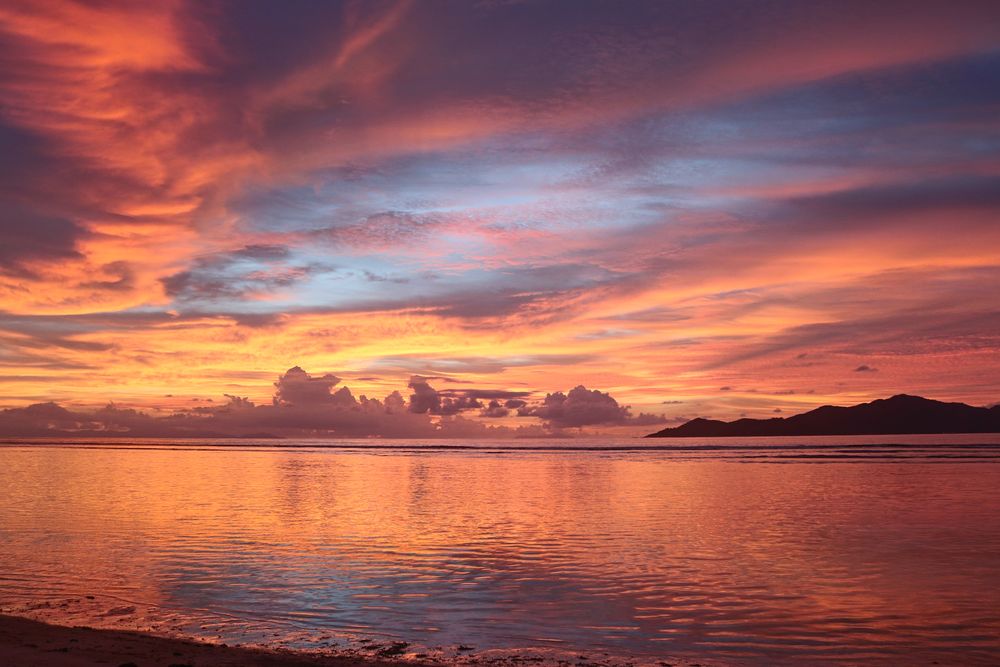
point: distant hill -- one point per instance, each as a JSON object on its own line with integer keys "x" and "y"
{"x": 900, "y": 414}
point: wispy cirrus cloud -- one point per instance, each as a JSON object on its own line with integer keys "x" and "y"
{"x": 659, "y": 200}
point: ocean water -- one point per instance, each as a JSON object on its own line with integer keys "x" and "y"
{"x": 876, "y": 550}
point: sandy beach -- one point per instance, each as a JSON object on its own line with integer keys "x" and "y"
{"x": 27, "y": 643}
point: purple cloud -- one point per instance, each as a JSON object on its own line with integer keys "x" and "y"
{"x": 298, "y": 388}
{"x": 308, "y": 406}
{"x": 580, "y": 407}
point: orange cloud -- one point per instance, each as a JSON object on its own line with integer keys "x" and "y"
{"x": 656, "y": 205}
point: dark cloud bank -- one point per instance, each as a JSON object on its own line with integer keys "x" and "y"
{"x": 313, "y": 406}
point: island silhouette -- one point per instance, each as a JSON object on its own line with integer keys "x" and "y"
{"x": 900, "y": 414}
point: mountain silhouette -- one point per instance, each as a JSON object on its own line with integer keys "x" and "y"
{"x": 900, "y": 414}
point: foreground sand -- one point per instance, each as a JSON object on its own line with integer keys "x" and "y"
{"x": 27, "y": 643}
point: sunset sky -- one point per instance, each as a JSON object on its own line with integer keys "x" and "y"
{"x": 702, "y": 208}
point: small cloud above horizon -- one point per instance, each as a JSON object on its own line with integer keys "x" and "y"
{"x": 314, "y": 405}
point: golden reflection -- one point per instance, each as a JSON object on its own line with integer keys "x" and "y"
{"x": 531, "y": 544}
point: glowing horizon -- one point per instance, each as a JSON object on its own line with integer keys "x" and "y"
{"x": 701, "y": 213}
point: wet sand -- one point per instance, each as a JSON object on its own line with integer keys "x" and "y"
{"x": 27, "y": 643}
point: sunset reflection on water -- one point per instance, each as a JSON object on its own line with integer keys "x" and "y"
{"x": 632, "y": 553}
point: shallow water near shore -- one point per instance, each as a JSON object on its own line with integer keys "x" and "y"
{"x": 875, "y": 550}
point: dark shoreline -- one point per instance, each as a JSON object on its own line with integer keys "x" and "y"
{"x": 25, "y": 642}
{"x": 28, "y": 643}
{"x": 901, "y": 414}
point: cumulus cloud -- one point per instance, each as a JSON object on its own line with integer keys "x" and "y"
{"x": 495, "y": 410}
{"x": 580, "y": 407}
{"x": 304, "y": 405}
{"x": 424, "y": 398}
{"x": 296, "y": 387}
{"x": 454, "y": 405}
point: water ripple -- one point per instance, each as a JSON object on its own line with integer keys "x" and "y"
{"x": 744, "y": 552}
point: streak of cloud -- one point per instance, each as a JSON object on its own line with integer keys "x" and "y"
{"x": 664, "y": 199}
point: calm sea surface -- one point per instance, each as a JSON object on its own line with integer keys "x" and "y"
{"x": 722, "y": 551}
